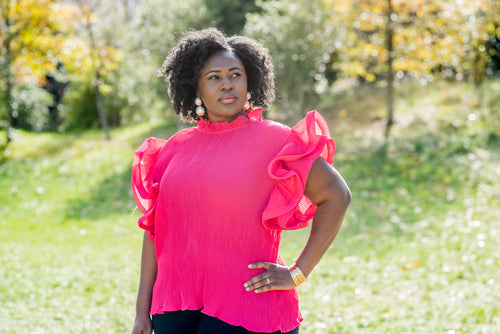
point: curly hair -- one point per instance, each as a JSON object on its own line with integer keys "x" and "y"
{"x": 182, "y": 66}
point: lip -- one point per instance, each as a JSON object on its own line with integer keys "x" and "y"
{"x": 228, "y": 99}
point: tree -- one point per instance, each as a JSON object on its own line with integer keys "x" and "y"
{"x": 155, "y": 31}
{"x": 389, "y": 41}
{"x": 160, "y": 25}
{"x": 480, "y": 20}
{"x": 101, "y": 56}
{"x": 31, "y": 40}
{"x": 105, "y": 64}
{"x": 229, "y": 15}
{"x": 370, "y": 33}
{"x": 301, "y": 45}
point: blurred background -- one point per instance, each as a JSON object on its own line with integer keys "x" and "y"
{"x": 411, "y": 92}
{"x": 82, "y": 64}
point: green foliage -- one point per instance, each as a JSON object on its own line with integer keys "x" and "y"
{"x": 161, "y": 24}
{"x": 430, "y": 40}
{"x": 29, "y": 35}
{"x": 137, "y": 94}
{"x": 30, "y": 107}
{"x": 80, "y": 111}
{"x": 155, "y": 29}
{"x": 493, "y": 49}
{"x": 301, "y": 45}
{"x": 29, "y": 38}
{"x": 80, "y": 108}
{"x": 318, "y": 46}
{"x": 229, "y": 15}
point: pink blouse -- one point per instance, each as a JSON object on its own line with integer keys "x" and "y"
{"x": 215, "y": 198}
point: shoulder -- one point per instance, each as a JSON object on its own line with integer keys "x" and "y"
{"x": 183, "y": 134}
{"x": 165, "y": 150}
{"x": 269, "y": 134}
{"x": 150, "y": 147}
{"x": 273, "y": 128}
{"x": 156, "y": 149}
{"x": 277, "y": 126}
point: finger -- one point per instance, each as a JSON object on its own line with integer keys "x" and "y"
{"x": 261, "y": 264}
{"x": 259, "y": 285}
{"x": 264, "y": 275}
{"x": 267, "y": 286}
{"x": 256, "y": 281}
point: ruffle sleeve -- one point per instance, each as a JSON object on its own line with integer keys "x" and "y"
{"x": 288, "y": 208}
{"x": 144, "y": 185}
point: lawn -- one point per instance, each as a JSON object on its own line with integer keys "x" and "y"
{"x": 418, "y": 252}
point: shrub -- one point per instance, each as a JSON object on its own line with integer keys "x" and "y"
{"x": 30, "y": 105}
{"x": 80, "y": 107}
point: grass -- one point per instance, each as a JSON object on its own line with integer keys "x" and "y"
{"x": 418, "y": 252}
{"x": 68, "y": 242}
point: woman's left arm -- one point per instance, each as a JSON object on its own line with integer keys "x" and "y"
{"x": 327, "y": 189}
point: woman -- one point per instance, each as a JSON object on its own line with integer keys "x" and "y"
{"x": 216, "y": 197}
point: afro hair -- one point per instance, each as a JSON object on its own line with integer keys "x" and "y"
{"x": 181, "y": 69}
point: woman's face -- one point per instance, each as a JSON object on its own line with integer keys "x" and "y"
{"x": 223, "y": 87}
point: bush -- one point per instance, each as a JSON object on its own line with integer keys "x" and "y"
{"x": 80, "y": 107}
{"x": 301, "y": 44}
{"x": 30, "y": 105}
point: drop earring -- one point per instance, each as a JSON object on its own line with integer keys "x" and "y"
{"x": 200, "y": 111}
{"x": 247, "y": 104}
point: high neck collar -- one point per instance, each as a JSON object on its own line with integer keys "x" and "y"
{"x": 221, "y": 126}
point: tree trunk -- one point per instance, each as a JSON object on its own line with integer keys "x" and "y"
{"x": 9, "y": 110}
{"x": 100, "y": 108}
{"x": 389, "y": 33}
{"x": 99, "y": 98}
{"x": 9, "y": 84}
{"x": 8, "y": 97}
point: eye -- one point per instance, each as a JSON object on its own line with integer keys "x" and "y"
{"x": 237, "y": 74}
{"x": 213, "y": 77}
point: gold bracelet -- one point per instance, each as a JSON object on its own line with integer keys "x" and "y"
{"x": 297, "y": 274}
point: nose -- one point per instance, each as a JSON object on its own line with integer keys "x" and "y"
{"x": 226, "y": 84}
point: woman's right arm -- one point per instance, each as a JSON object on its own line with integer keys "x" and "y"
{"x": 142, "y": 323}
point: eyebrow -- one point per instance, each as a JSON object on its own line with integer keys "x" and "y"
{"x": 218, "y": 71}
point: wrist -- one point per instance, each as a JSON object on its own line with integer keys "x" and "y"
{"x": 297, "y": 274}
{"x": 141, "y": 313}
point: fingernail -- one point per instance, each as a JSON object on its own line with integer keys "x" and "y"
{"x": 245, "y": 285}
{"x": 250, "y": 265}
{"x": 248, "y": 289}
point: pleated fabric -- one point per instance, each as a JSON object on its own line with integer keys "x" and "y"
{"x": 214, "y": 199}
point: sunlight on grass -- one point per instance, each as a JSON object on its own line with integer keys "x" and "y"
{"x": 71, "y": 247}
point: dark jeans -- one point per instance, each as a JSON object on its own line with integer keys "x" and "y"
{"x": 195, "y": 322}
